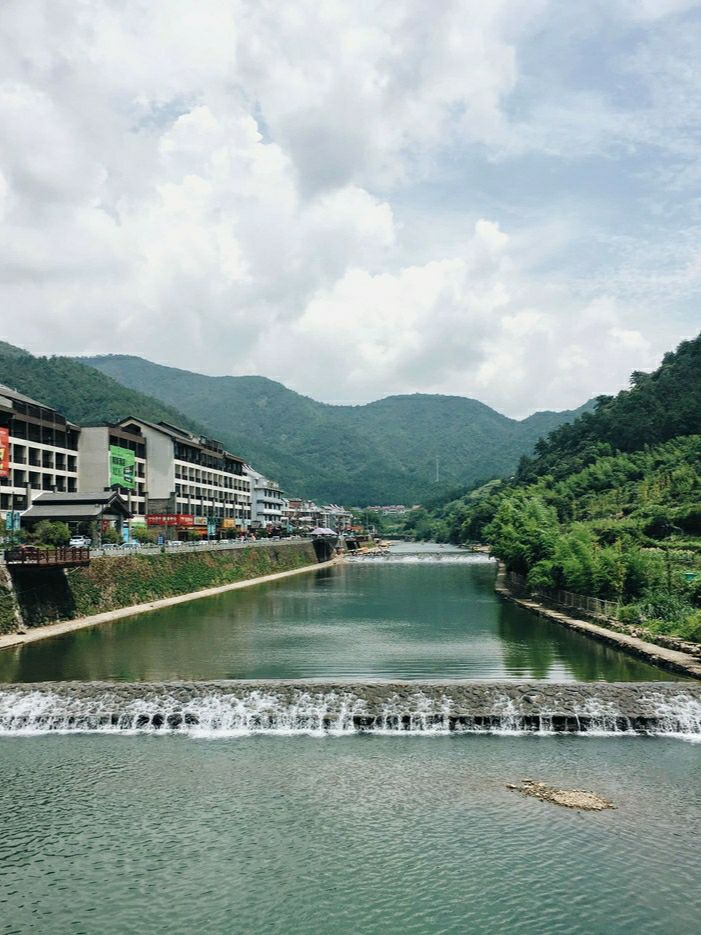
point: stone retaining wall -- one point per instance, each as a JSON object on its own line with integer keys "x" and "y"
{"x": 49, "y": 595}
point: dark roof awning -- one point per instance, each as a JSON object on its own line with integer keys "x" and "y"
{"x": 76, "y": 506}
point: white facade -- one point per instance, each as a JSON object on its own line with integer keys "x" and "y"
{"x": 268, "y": 506}
{"x": 192, "y": 475}
{"x": 43, "y": 451}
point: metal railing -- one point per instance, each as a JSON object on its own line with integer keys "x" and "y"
{"x": 150, "y": 548}
{"x": 58, "y": 557}
{"x": 592, "y": 605}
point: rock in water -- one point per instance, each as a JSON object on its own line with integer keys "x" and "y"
{"x": 568, "y": 798}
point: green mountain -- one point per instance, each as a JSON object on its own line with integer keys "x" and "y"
{"x": 608, "y": 506}
{"x": 79, "y": 392}
{"x": 383, "y": 452}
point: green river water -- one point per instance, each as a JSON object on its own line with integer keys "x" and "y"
{"x": 431, "y": 615}
{"x": 107, "y": 834}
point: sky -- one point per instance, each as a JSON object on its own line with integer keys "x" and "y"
{"x": 496, "y": 199}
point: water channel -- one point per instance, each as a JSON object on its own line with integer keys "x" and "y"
{"x": 292, "y": 832}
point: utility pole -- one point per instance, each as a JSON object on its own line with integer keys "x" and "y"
{"x": 438, "y": 470}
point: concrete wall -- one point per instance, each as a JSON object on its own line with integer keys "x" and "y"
{"x": 49, "y": 595}
{"x": 93, "y": 463}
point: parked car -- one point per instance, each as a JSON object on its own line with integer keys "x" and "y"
{"x": 80, "y": 542}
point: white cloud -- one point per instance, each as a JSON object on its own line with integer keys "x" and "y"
{"x": 221, "y": 186}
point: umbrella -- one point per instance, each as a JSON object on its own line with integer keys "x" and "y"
{"x": 323, "y": 531}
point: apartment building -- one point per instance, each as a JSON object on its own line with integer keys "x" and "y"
{"x": 306, "y": 514}
{"x": 38, "y": 451}
{"x": 268, "y": 506}
{"x": 190, "y": 476}
{"x": 335, "y": 517}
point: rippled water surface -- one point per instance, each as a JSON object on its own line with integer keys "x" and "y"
{"x": 305, "y": 836}
{"x": 409, "y": 616}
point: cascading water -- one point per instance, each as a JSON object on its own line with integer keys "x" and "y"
{"x": 449, "y": 557}
{"x": 212, "y": 709}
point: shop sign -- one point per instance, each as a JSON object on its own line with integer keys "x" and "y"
{"x": 4, "y": 452}
{"x": 228, "y": 523}
{"x": 170, "y": 519}
{"x": 122, "y": 467}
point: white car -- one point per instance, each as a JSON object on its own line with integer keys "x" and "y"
{"x": 80, "y": 542}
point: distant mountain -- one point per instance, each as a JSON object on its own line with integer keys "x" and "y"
{"x": 386, "y": 451}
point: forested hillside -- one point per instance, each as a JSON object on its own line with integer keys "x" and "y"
{"x": 387, "y": 451}
{"x": 80, "y": 392}
{"x": 608, "y": 506}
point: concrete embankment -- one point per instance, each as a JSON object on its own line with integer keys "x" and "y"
{"x": 671, "y": 659}
{"x": 345, "y": 706}
{"x": 46, "y": 602}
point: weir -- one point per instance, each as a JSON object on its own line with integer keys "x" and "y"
{"x": 240, "y": 708}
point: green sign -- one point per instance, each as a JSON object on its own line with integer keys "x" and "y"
{"x": 122, "y": 467}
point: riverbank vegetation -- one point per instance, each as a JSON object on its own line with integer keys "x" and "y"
{"x": 609, "y": 506}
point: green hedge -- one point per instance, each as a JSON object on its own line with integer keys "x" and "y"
{"x": 111, "y": 583}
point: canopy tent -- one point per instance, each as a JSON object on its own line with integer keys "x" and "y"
{"x": 323, "y": 531}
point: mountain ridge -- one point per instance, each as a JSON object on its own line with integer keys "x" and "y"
{"x": 369, "y": 453}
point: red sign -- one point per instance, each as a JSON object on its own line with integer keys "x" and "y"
{"x": 4, "y": 452}
{"x": 170, "y": 519}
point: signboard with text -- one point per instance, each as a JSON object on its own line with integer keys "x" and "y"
{"x": 4, "y": 452}
{"x": 169, "y": 519}
{"x": 122, "y": 467}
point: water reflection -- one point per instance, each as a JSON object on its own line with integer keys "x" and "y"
{"x": 419, "y": 620}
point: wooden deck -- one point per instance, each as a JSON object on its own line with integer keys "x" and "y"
{"x": 63, "y": 557}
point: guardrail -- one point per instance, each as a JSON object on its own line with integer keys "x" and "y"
{"x": 175, "y": 546}
{"x": 592, "y": 605}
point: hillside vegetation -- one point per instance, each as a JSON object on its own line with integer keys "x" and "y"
{"x": 79, "y": 392}
{"x": 382, "y": 452}
{"x": 609, "y": 506}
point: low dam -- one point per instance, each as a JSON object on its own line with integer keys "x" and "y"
{"x": 222, "y": 708}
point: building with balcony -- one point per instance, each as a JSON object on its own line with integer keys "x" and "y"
{"x": 268, "y": 506}
{"x": 39, "y": 451}
{"x": 189, "y": 475}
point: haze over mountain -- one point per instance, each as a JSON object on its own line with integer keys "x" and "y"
{"x": 390, "y": 450}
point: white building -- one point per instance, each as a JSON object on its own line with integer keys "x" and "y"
{"x": 190, "y": 476}
{"x": 38, "y": 451}
{"x": 268, "y": 506}
{"x": 335, "y": 517}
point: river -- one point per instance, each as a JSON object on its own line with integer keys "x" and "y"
{"x": 414, "y": 615}
{"x": 115, "y": 826}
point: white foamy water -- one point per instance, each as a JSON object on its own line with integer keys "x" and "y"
{"x": 421, "y": 558}
{"x": 206, "y": 711}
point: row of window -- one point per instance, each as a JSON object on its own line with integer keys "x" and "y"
{"x": 38, "y": 457}
{"x": 55, "y": 435}
{"x": 39, "y": 481}
{"x": 200, "y": 493}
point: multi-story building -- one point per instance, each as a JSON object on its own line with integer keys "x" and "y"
{"x": 303, "y": 514}
{"x": 189, "y": 475}
{"x": 335, "y": 517}
{"x": 267, "y": 501}
{"x": 38, "y": 451}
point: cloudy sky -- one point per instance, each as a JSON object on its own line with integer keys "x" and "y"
{"x": 498, "y": 199}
